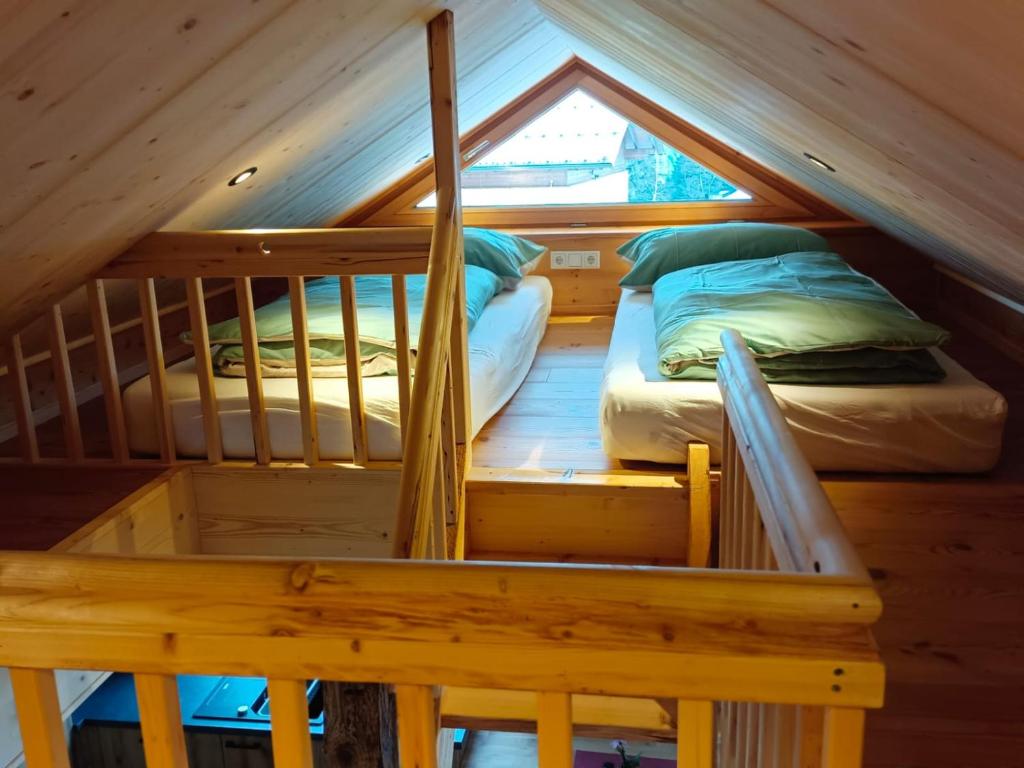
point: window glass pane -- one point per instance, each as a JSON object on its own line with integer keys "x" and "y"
{"x": 580, "y": 152}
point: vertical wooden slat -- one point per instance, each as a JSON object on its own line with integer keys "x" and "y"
{"x": 699, "y": 480}
{"x": 695, "y": 734}
{"x": 39, "y": 718}
{"x": 353, "y": 369}
{"x": 106, "y": 368}
{"x": 417, "y": 726}
{"x": 27, "y": 441}
{"x": 810, "y": 725}
{"x": 204, "y": 369}
{"x": 65, "y": 385}
{"x": 785, "y": 743}
{"x": 160, "y": 715}
{"x": 253, "y": 373}
{"x": 303, "y": 371}
{"x": 735, "y": 490}
{"x": 289, "y": 722}
{"x": 843, "y": 738}
{"x": 453, "y": 513}
{"x": 401, "y": 305}
{"x": 554, "y": 730}
{"x": 157, "y": 375}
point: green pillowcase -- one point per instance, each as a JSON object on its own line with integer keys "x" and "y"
{"x": 661, "y": 251}
{"x": 806, "y": 317}
{"x": 376, "y": 321}
{"x": 509, "y": 257}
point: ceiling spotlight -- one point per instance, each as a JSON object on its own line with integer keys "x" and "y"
{"x": 819, "y": 162}
{"x": 245, "y": 175}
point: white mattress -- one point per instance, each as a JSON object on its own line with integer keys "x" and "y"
{"x": 502, "y": 346}
{"x": 953, "y": 426}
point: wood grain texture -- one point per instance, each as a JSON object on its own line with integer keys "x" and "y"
{"x": 822, "y": 91}
{"x": 160, "y": 719}
{"x": 289, "y": 720}
{"x": 303, "y": 371}
{"x": 157, "y": 374}
{"x": 204, "y": 369}
{"x": 554, "y": 730}
{"x": 65, "y": 386}
{"x": 353, "y": 368}
{"x": 296, "y": 512}
{"x": 106, "y": 366}
{"x": 417, "y": 726}
{"x": 39, "y": 717}
{"x": 253, "y": 374}
{"x": 22, "y": 399}
{"x": 210, "y": 89}
{"x": 808, "y": 626}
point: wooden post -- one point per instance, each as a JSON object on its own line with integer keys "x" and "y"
{"x": 695, "y": 737}
{"x": 106, "y": 367}
{"x": 289, "y": 722}
{"x": 39, "y": 718}
{"x": 401, "y": 305}
{"x": 160, "y": 716}
{"x": 65, "y": 386}
{"x": 253, "y": 374}
{"x": 843, "y": 739}
{"x": 204, "y": 369}
{"x": 359, "y": 726}
{"x": 304, "y": 371}
{"x": 698, "y": 477}
{"x": 554, "y": 730}
{"x": 157, "y": 375}
{"x": 22, "y": 401}
{"x": 353, "y": 369}
{"x": 421, "y": 444}
{"x": 417, "y": 726}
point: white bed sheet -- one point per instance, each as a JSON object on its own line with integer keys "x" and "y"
{"x": 955, "y": 425}
{"x": 502, "y": 346}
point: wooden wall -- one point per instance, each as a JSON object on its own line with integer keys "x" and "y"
{"x": 903, "y": 270}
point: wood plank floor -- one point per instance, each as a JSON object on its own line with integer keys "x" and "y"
{"x": 43, "y": 505}
{"x": 552, "y": 421}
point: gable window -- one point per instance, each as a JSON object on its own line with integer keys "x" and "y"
{"x": 580, "y": 152}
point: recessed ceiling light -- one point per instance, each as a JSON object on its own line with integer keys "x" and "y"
{"x": 245, "y": 175}
{"x": 819, "y": 162}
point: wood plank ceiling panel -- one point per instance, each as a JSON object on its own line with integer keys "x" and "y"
{"x": 119, "y": 115}
{"x": 775, "y": 87}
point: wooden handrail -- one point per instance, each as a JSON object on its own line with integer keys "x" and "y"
{"x": 798, "y": 517}
{"x": 422, "y": 441}
{"x": 276, "y": 253}
{"x": 615, "y": 630}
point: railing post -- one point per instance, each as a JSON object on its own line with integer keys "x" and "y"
{"x": 39, "y": 717}
{"x": 554, "y": 730}
{"x": 843, "y": 738}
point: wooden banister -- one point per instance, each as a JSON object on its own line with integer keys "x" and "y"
{"x": 422, "y": 443}
{"x": 797, "y": 514}
{"x": 275, "y": 253}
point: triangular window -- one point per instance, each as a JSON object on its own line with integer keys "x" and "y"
{"x": 580, "y": 152}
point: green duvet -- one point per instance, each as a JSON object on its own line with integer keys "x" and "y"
{"x": 807, "y": 317}
{"x": 376, "y": 321}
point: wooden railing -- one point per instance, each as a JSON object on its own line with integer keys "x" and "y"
{"x": 775, "y": 517}
{"x": 769, "y": 657}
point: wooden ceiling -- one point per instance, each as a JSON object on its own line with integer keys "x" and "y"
{"x": 122, "y": 117}
{"x": 918, "y": 104}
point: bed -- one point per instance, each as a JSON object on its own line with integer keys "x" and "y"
{"x": 955, "y": 425}
{"x": 502, "y": 346}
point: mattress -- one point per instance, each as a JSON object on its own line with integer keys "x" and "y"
{"x": 955, "y": 425}
{"x": 502, "y": 346}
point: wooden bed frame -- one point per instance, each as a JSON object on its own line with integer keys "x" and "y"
{"x": 770, "y": 654}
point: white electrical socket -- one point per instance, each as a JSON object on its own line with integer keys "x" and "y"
{"x": 575, "y": 259}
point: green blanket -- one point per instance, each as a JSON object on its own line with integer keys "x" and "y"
{"x": 376, "y": 322}
{"x": 807, "y": 317}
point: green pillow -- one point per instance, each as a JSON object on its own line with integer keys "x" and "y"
{"x": 661, "y": 251}
{"x": 507, "y": 256}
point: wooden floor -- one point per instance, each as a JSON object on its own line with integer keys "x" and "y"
{"x": 552, "y": 421}
{"x": 43, "y": 505}
{"x": 947, "y": 554}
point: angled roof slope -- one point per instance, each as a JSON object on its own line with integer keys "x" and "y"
{"x": 121, "y": 118}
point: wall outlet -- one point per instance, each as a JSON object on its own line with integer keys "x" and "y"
{"x": 575, "y": 259}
